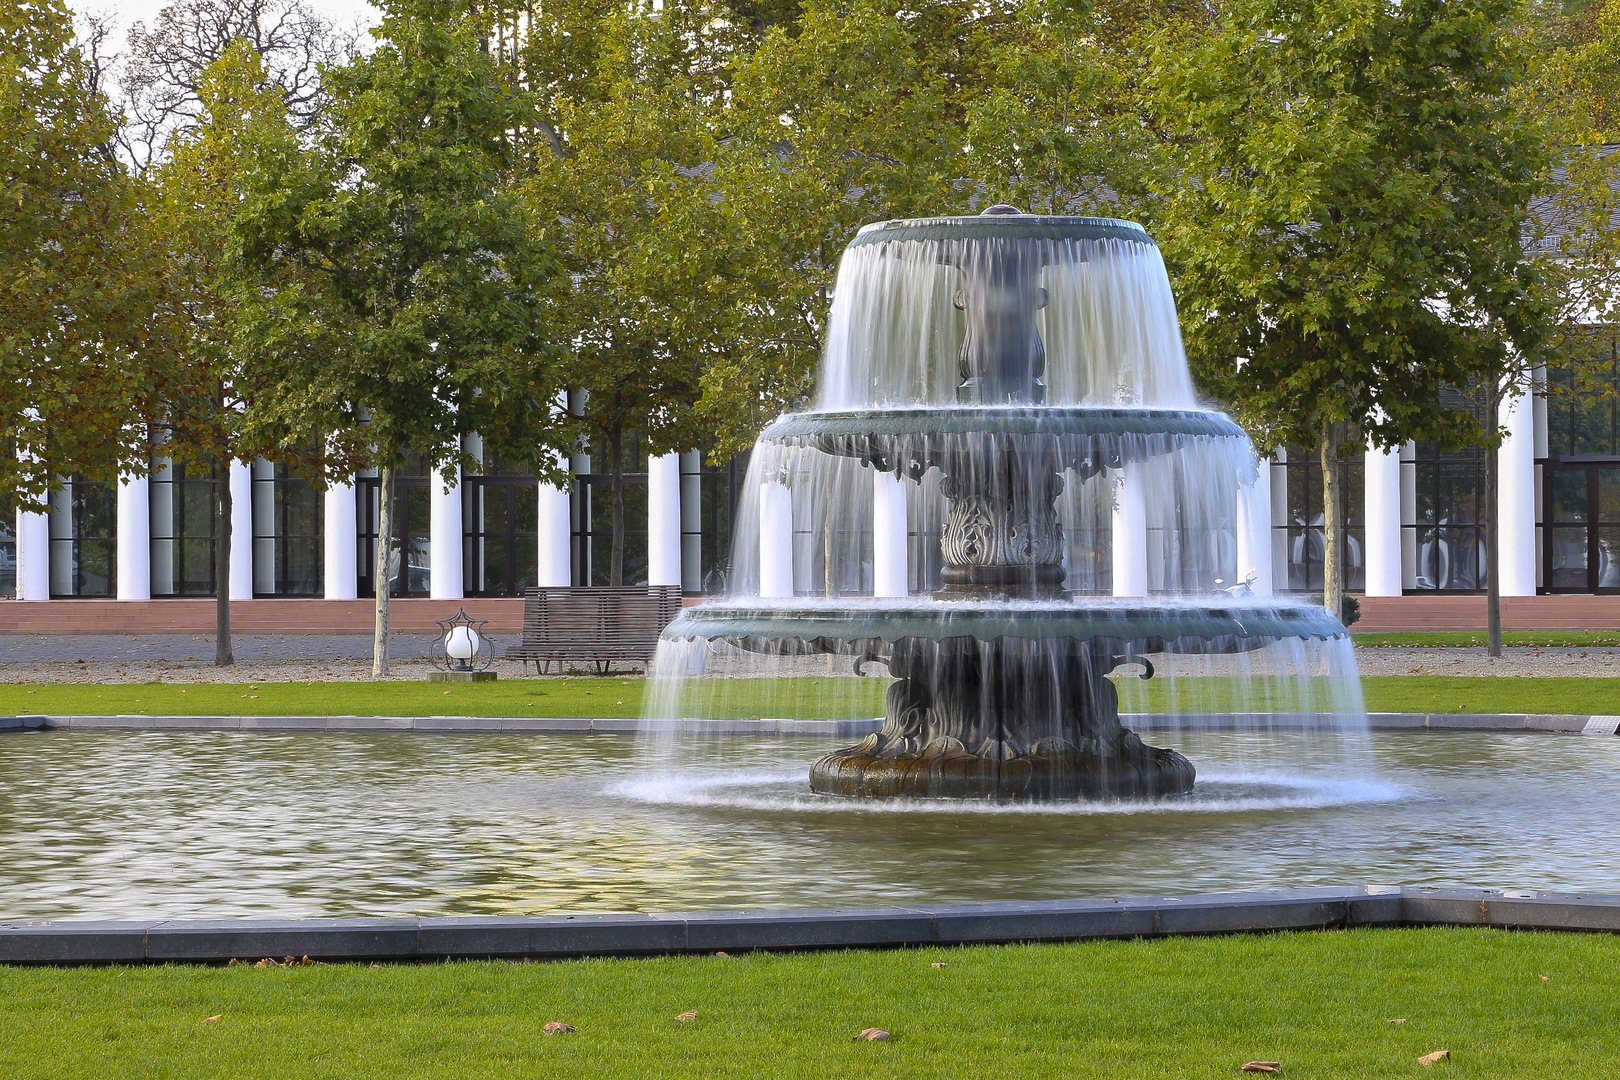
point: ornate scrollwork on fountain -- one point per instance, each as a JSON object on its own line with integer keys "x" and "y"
{"x": 1015, "y": 718}
{"x": 1002, "y": 535}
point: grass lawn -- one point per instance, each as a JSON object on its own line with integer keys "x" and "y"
{"x": 750, "y": 698}
{"x": 1319, "y": 1003}
{"x": 610, "y": 696}
{"x": 1544, "y": 639}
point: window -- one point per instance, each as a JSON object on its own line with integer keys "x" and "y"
{"x": 720, "y": 489}
{"x": 593, "y": 516}
{"x": 1303, "y": 540}
{"x": 408, "y": 560}
{"x": 1451, "y": 503}
{"x": 500, "y": 514}
{"x": 1583, "y": 417}
{"x": 8, "y": 546}
{"x": 288, "y": 533}
{"x": 182, "y": 516}
{"x": 84, "y": 546}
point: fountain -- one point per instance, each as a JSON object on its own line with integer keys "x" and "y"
{"x": 983, "y": 373}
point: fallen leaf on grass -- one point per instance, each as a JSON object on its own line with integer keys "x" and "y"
{"x": 937, "y": 964}
{"x": 213, "y": 1019}
{"x": 1543, "y": 978}
{"x": 723, "y": 956}
{"x": 1430, "y": 1059}
{"x": 266, "y": 962}
{"x": 306, "y": 962}
{"x": 872, "y": 1035}
{"x": 688, "y": 1016}
{"x": 447, "y": 691}
{"x": 557, "y": 1027}
{"x": 1261, "y": 1067}
{"x": 1399, "y": 1020}
{"x": 234, "y": 962}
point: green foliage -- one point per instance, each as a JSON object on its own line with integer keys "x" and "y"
{"x": 78, "y": 285}
{"x": 622, "y": 172}
{"x": 1319, "y": 1002}
{"x": 397, "y": 278}
{"x": 857, "y": 117}
{"x": 1343, "y": 214}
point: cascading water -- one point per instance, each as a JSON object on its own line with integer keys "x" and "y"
{"x": 1006, "y": 428}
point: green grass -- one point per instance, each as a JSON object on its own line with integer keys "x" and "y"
{"x": 610, "y": 696}
{"x": 1544, "y": 639}
{"x": 1319, "y": 1003}
{"x": 775, "y": 698}
{"x": 1490, "y": 694}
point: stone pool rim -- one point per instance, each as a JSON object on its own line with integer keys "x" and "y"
{"x": 561, "y": 937}
{"x": 1550, "y": 723}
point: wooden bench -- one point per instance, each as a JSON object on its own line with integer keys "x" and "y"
{"x": 599, "y": 624}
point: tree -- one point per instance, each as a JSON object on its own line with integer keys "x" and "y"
{"x": 1341, "y": 213}
{"x": 399, "y": 284}
{"x": 195, "y": 196}
{"x": 78, "y": 322}
{"x": 625, "y": 170}
{"x": 855, "y": 113}
{"x": 164, "y": 76}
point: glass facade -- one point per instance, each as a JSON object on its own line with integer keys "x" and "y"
{"x": 84, "y": 544}
{"x": 8, "y": 546}
{"x": 1580, "y": 477}
{"x": 720, "y": 490}
{"x": 182, "y": 516}
{"x": 1303, "y": 545}
{"x": 593, "y": 515}
{"x": 1451, "y": 502}
{"x": 289, "y": 515}
{"x": 412, "y": 544}
{"x": 500, "y": 521}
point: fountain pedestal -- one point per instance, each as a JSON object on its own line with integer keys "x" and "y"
{"x": 1017, "y": 718}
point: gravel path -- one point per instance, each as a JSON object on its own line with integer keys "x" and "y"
{"x": 319, "y": 658}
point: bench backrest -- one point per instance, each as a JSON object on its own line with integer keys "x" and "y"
{"x": 624, "y": 615}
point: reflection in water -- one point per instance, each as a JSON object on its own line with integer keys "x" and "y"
{"x": 127, "y": 825}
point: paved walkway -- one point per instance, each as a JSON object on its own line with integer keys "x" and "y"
{"x": 118, "y": 658}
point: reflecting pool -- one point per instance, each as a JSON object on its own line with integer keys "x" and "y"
{"x": 195, "y": 824}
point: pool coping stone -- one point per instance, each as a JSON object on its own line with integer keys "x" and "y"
{"x": 567, "y": 936}
{"x": 831, "y": 729}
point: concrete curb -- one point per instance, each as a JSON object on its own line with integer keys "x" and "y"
{"x": 563, "y": 936}
{"x": 831, "y": 729}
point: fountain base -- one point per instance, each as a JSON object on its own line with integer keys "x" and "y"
{"x": 1054, "y": 769}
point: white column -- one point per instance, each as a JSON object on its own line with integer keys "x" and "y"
{"x": 1382, "y": 491}
{"x": 444, "y": 529}
{"x": 1516, "y": 497}
{"x": 134, "y": 538}
{"x": 241, "y": 481}
{"x": 1279, "y": 516}
{"x": 775, "y": 540}
{"x": 33, "y": 556}
{"x": 341, "y": 556}
{"x": 890, "y": 570}
{"x": 1254, "y": 531}
{"x": 1130, "y": 536}
{"x": 664, "y": 520}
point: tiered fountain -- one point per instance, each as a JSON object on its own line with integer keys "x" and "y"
{"x": 1022, "y": 357}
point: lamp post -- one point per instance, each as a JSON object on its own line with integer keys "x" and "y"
{"x": 462, "y": 652}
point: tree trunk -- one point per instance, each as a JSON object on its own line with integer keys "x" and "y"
{"x": 222, "y": 570}
{"x": 616, "y": 448}
{"x": 1332, "y": 555}
{"x": 385, "y": 546}
{"x": 1492, "y": 504}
